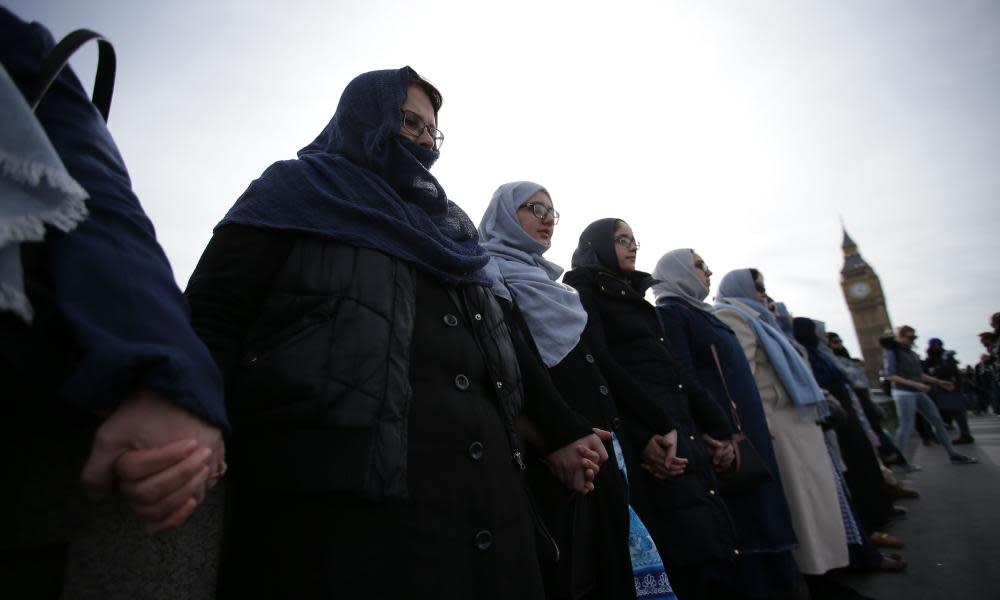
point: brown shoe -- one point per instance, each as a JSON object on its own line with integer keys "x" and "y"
{"x": 883, "y": 539}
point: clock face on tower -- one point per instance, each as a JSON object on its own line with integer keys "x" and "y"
{"x": 859, "y": 289}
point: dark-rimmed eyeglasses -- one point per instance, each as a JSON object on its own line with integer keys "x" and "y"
{"x": 415, "y": 125}
{"x": 626, "y": 242}
{"x": 700, "y": 264}
{"x": 541, "y": 211}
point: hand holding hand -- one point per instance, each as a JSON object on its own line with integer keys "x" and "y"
{"x": 576, "y": 464}
{"x": 722, "y": 451}
{"x": 659, "y": 457}
{"x": 162, "y": 458}
{"x": 947, "y": 386}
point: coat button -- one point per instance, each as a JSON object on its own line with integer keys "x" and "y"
{"x": 484, "y": 539}
{"x": 712, "y": 492}
{"x": 253, "y": 360}
{"x": 661, "y": 339}
{"x": 622, "y": 292}
{"x": 680, "y": 386}
{"x": 736, "y": 552}
{"x": 450, "y": 320}
{"x": 461, "y": 382}
{"x": 476, "y": 450}
{"x": 478, "y": 317}
{"x": 589, "y": 358}
{"x": 603, "y": 389}
{"x": 602, "y": 288}
{"x": 499, "y": 385}
{"x": 691, "y": 437}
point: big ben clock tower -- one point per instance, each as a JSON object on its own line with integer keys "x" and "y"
{"x": 865, "y": 300}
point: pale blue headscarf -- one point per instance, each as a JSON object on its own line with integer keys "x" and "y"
{"x": 788, "y": 364}
{"x": 36, "y": 191}
{"x": 551, "y": 309}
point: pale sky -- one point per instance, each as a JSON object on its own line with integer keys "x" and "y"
{"x": 741, "y": 129}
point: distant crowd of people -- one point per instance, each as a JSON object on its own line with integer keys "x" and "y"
{"x": 362, "y": 394}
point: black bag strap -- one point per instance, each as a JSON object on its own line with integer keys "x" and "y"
{"x": 58, "y": 58}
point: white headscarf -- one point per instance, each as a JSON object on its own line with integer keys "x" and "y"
{"x": 674, "y": 277}
{"x": 551, "y": 309}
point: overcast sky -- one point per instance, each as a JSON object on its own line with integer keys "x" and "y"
{"x": 742, "y": 129}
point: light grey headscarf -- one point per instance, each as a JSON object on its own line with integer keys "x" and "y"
{"x": 674, "y": 277}
{"x": 35, "y": 191}
{"x": 551, "y": 309}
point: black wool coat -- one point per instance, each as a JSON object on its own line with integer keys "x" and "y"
{"x": 375, "y": 450}
{"x": 591, "y": 530}
{"x": 686, "y": 515}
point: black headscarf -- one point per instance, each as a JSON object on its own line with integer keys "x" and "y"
{"x": 596, "y": 252}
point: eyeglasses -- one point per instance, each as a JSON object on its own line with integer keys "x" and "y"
{"x": 700, "y": 264}
{"x": 416, "y": 126}
{"x": 541, "y": 211}
{"x": 626, "y": 242}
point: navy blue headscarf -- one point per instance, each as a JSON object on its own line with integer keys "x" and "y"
{"x": 824, "y": 369}
{"x": 361, "y": 182}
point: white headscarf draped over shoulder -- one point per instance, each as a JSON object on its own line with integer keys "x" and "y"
{"x": 551, "y": 309}
{"x": 674, "y": 277}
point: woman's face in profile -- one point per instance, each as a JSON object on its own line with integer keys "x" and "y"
{"x": 761, "y": 290}
{"x": 540, "y": 229}
{"x": 625, "y": 247}
{"x": 418, "y": 103}
{"x": 701, "y": 270}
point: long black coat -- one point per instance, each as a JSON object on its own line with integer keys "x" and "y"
{"x": 340, "y": 363}
{"x": 591, "y": 530}
{"x": 685, "y": 514}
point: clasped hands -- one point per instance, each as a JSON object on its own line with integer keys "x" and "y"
{"x": 660, "y": 458}
{"x": 576, "y": 464}
{"x": 723, "y": 452}
{"x": 161, "y": 458}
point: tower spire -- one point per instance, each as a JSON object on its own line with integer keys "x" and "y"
{"x": 847, "y": 242}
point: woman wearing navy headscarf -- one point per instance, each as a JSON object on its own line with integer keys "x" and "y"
{"x": 685, "y": 514}
{"x": 868, "y": 491}
{"x": 372, "y": 382}
{"x": 869, "y": 496}
{"x": 710, "y": 349}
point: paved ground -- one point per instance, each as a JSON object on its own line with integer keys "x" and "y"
{"x": 952, "y": 532}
